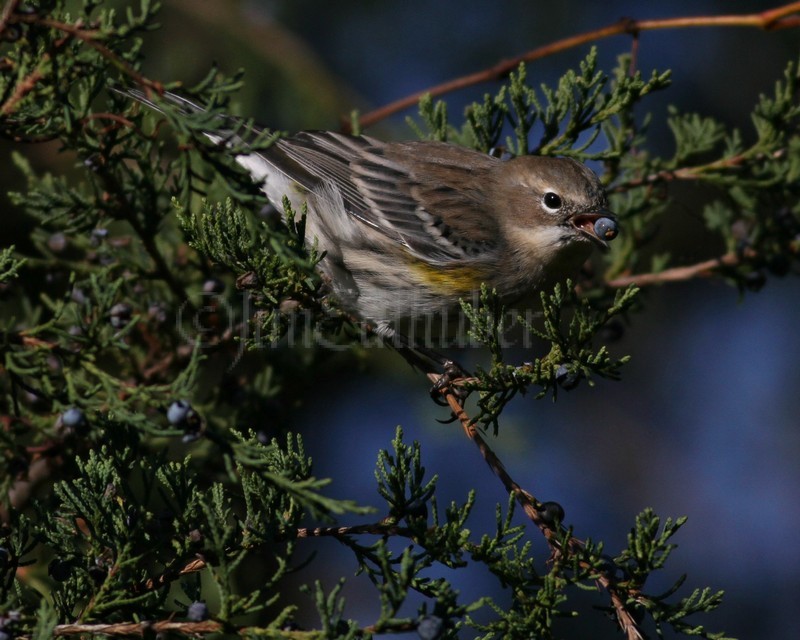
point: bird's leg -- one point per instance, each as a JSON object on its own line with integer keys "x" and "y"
{"x": 431, "y": 361}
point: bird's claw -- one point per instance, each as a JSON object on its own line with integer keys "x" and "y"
{"x": 452, "y": 371}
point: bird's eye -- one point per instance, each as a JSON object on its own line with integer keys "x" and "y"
{"x": 552, "y": 200}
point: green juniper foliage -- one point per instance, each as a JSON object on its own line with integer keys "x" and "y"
{"x": 571, "y": 358}
{"x": 146, "y": 468}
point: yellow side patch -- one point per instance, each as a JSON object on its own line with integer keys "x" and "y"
{"x": 454, "y": 280}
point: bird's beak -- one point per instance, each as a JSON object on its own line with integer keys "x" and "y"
{"x": 598, "y": 226}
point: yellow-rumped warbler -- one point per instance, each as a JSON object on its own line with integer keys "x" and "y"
{"x": 409, "y": 228}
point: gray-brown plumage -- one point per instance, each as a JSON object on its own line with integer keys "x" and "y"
{"x": 409, "y": 228}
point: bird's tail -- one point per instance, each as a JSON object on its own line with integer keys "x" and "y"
{"x": 187, "y": 106}
{"x": 237, "y": 133}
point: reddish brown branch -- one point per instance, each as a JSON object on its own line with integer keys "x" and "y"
{"x": 779, "y": 18}
{"x": 90, "y": 37}
{"x": 198, "y": 564}
{"x": 28, "y": 84}
{"x": 128, "y": 629}
{"x": 378, "y": 529}
{"x": 8, "y": 10}
{"x": 118, "y": 119}
{"x": 23, "y": 88}
{"x": 700, "y": 171}
{"x": 703, "y": 269}
{"x": 533, "y": 509}
{"x": 529, "y": 504}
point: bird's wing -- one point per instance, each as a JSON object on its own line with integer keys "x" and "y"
{"x": 406, "y": 190}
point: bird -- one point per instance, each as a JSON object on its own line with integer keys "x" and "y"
{"x": 410, "y": 228}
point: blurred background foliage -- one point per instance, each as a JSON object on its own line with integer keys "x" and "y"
{"x": 704, "y": 421}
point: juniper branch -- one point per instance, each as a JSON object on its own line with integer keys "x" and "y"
{"x": 781, "y": 17}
